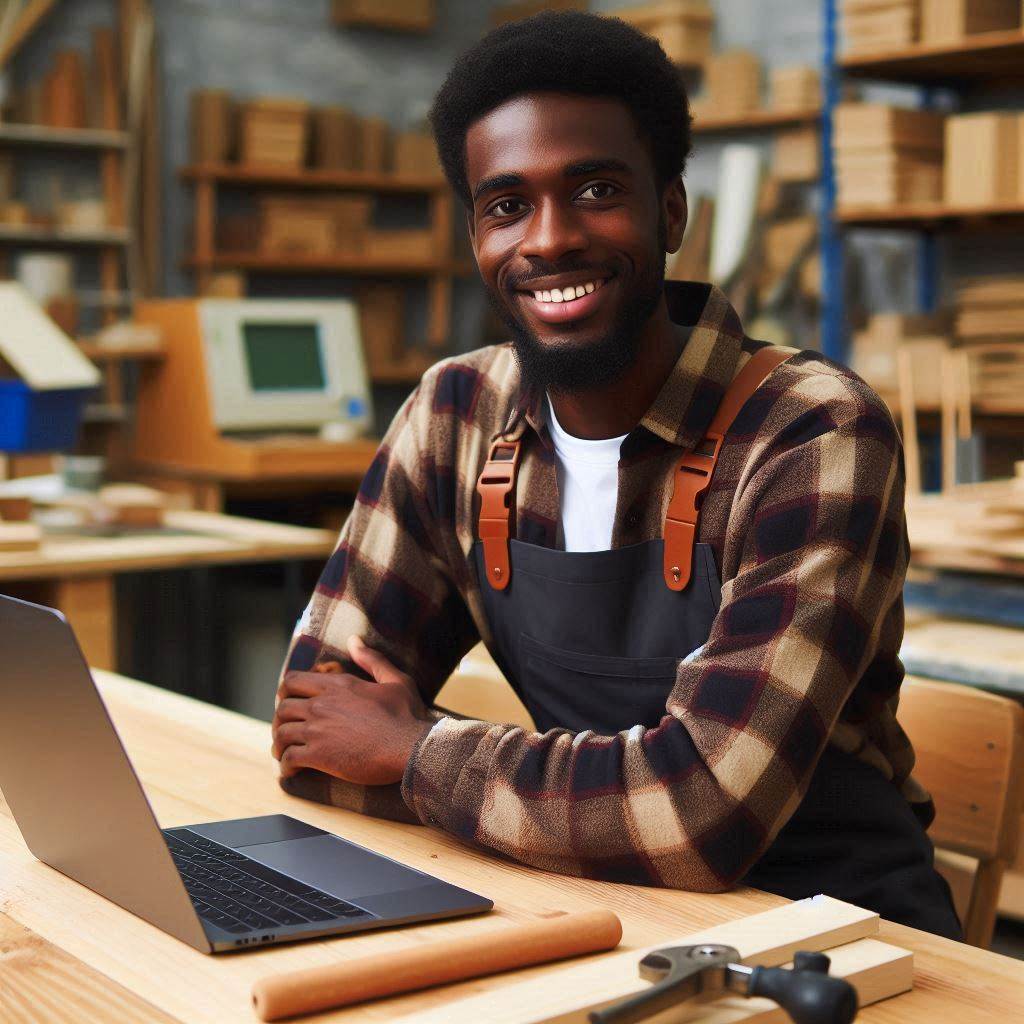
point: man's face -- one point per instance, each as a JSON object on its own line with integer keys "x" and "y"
{"x": 570, "y": 232}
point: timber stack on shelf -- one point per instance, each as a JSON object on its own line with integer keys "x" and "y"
{"x": 871, "y": 25}
{"x": 886, "y": 155}
{"x": 682, "y": 27}
{"x": 318, "y": 175}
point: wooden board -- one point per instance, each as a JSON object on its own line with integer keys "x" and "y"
{"x": 767, "y": 940}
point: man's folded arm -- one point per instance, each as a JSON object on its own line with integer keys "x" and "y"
{"x": 388, "y": 582}
{"x": 695, "y": 801}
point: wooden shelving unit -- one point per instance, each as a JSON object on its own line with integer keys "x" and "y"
{"x": 439, "y": 270}
{"x": 758, "y": 120}
{"x": 63, "y": 236}
{"x": 61, "y": 138}
{"x": 983, "y": 56}
{"x": 354, "y": 265}
{"x": 935, "y": 217}
{"x": 338, "y": 181}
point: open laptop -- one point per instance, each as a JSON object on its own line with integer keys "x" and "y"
{"x": 220, "y": 886}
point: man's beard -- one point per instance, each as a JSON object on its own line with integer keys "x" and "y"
{"x": 572, "y": 367}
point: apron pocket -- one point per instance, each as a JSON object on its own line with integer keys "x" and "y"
{"x": 571, "y": 690}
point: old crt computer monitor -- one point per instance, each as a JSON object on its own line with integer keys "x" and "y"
{"x": 280, "y": 365}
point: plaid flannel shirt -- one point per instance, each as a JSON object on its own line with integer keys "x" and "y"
{"x": 805, "y": 517}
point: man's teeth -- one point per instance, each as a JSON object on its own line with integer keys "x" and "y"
{"x": 566, "y": 294}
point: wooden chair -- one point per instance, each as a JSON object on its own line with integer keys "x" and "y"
{"x": 970, "y": 756}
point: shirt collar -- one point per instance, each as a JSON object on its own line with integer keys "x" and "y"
{"x": 686, "y": 404}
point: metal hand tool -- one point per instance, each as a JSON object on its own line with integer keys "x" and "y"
{"x": 806, "y": 992}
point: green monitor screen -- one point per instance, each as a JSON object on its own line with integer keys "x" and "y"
{"x": 283, "y": 356}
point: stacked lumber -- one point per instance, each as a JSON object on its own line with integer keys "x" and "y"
{"x": 869, "y": 26}
{"x": 875, "y": 356}
{"x": 971, "y": 526}
{"x": 795, "y": 154}
{"x": 732, "y": 84}
{"x": 948, "y": 21}
{"x": 794, "y": 88}
{"x": 983, "y": 158}
{"x": 682, "y": 27}
{"x": 989, "y": 308}
{"x": 274, "y": 132}
{"x": 313, "y": 226}
{"x": 887, "y": 155}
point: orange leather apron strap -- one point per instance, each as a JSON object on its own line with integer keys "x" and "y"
{"x": 694, "y": 470}
{"x": 496, "y": 483}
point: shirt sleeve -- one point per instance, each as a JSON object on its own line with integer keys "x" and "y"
{"x": 820, "y": 544}
{"x": 390, "y": 581}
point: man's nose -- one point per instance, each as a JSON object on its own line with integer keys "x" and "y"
{"x": 552, "y": 231}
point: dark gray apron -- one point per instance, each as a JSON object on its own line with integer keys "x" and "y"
{"x": 591, "y": 640}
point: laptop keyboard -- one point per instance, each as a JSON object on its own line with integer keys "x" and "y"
{"x": 240, "y": 895}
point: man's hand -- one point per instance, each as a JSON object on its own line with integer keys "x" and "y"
{"x": 359, "y": 731}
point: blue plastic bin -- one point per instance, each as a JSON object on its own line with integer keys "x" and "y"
{"x": 39, "y": 421}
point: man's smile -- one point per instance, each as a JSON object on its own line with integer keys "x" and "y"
{"x": 561, "y": 300}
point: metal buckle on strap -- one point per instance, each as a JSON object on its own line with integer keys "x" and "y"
{"x": 692, "y": 478}
{"x": 496, "y": 483}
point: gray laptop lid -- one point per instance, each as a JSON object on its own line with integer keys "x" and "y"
{"x": 68, "y": 781}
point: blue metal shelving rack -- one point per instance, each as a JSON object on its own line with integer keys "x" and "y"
{"x": 833, "y": 295}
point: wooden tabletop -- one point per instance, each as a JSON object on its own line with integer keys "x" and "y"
{"x": 68, "y": 954}
{"x": 187, "y": 539}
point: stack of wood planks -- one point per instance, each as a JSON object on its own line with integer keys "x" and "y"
{"x": 732, "y": 84}
{"x": 794, "y": 88}
{"x": 887, "y": 155}
{"x": 869, "y": 26}
{"x": 990, "y": 308}
{"x": 875, "y": 356}
{"x": 973, "y": 527}
{"x": 983, "y": 158}
{"x": 948, "y": 21}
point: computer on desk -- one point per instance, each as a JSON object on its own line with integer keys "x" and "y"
{"x": 255, "y": 389}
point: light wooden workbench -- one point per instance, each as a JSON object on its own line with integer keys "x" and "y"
{"x": 68, "y": 954}
{"x": 75, "y": 573}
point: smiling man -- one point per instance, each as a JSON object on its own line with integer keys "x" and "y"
{"x": 684, "y": 548}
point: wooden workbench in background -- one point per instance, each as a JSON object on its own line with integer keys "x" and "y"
{"x": 75, "y": 572}
{"x": 119, "y": 968}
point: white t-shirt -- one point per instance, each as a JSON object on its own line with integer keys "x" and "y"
{"x": 588, "y": 486}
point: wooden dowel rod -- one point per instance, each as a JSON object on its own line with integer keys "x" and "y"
{"x": 439, "y": 963}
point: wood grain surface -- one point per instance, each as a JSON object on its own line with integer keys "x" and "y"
{"x": 200, "y": 763}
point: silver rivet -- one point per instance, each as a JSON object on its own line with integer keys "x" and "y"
{"x": 676, "y": 573}
{"x": 497, "y": 572}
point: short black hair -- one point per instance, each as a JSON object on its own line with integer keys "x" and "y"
{"x": 565, "y": 52}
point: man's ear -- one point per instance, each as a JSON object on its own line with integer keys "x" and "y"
{"x": 675, "y": 210}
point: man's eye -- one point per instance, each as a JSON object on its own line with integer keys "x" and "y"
{"x": 506, "y": 207}
{"x": 599, "y": 190}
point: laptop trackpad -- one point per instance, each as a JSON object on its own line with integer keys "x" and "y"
{"x": 340, "y": 868}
